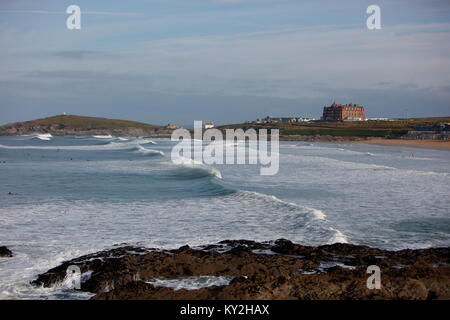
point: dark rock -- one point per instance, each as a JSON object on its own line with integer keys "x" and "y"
{"x": 5, "y": 252}
{"x": 266, "y": 270}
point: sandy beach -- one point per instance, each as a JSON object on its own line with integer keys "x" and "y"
{"x": 425, "y": 144}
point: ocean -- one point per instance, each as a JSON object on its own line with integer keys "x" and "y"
{"x": 62, "y": 197}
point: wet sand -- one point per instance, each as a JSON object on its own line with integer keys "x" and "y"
{"x": 425, "y": 144}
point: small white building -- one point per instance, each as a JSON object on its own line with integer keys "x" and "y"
{"x": 208, "y": 125}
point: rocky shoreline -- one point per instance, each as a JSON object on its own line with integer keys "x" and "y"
{"x": 128, "y": 132}
{"x": 259, "y": 270}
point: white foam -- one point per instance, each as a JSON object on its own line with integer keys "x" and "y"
{"x": 108, "y": 136}
{"x": 46, "y": 135}
{"x": 71, "y": 279}
{"x": 191, "y": 283}
{"x": 140, "y": 149}
{"x": 314, "y": 213}
{"x": 338, "y": 237}
{"x": 326, "y": 265}
{"x": 43, "y": 136}
{"x": 144, "y": 141}
{"x": 108, "y": 146}
{"x": 318, "y": 214}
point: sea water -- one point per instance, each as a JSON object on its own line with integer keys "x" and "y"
{"x": 62, "y": 197}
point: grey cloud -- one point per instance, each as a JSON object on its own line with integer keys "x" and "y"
{"x": 83, "y": 75}
{"x": 79, "y": 54}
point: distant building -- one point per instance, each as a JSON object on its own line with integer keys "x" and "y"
{"x": 271, "y": 120}
{"x": 281, "y": 120}
{"x": 172, "y": 126}
{"x": 304, "y": 119}
{"x": 208, "y": 125}
{"x": 346, "y": 112}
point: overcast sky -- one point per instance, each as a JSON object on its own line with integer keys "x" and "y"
{"x": 226, "y": 61}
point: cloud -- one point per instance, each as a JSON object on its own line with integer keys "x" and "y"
{"x": 285, "y": 62}
{"x": 293, "y": 56}
{"x": 80, "y": 54}
{"x": 84, "y": 75}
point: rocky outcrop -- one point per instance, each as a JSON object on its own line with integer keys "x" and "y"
{"x": 268, "y": 270}
{"x": 5, "y": 252}
{"x": 56, "y": 131}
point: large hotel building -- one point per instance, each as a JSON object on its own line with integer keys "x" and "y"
{"x": 343, "y": 112}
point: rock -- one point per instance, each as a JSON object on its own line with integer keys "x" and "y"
{"x": 5, "y": 252}
{"x": 267, "y": 270}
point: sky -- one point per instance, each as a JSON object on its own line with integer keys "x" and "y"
{"x": 226, "y": 61}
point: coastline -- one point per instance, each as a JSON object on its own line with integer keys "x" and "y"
{"x": 321, "y": 138}
{"x": 423, "y": 144}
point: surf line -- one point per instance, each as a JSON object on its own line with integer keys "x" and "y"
{"x": 246, "y": 147}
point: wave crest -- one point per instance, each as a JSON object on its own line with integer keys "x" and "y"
{"x": 197, "y": 165}
{"x": 148, "y": 152}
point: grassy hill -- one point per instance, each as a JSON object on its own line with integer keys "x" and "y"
{"x": 79, "y": 125}
{"x": 371, "y": 128}
{"x": 83, "y": 122}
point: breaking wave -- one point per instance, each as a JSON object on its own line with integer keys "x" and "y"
{"x": 313, "y": 213}
{"x": 144, "y": 141}
{"x": 43, "y": 136}
{"x": 196, "y": 166}
{"x": 311, "y": 221}
{"x": 338, "y": 237}
{"x": 148, "y": 152}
